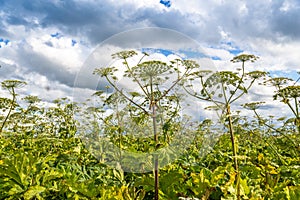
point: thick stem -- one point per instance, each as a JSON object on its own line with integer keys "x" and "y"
{"x": 156, "y": 181}
{"x": 234, "y": 149}
{"x": 119, "y": 132}
{"x": 230, "y": 125}
{"x": 154, "y": 117}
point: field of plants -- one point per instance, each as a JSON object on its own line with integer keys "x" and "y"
{"x": 48, "y": 152}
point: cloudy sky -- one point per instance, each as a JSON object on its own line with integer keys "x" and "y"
{"x": 46, "y": 43}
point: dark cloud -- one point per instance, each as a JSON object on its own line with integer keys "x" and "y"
{"x": 287, "y": 23}
{"x": 8, "y": 71}
{"x": 3, "y": 32}
{"x": 98, "y": 20}
{"x": 175, "y": 20}
{"x": 72, "y": 17}
{"x": 95, "y": 21}
{"x": 15, "y": 20}
{"x": 259, "y": 19}
{"x": 34, "y": 62}
{"x": 241, "y": 24}
{"x": 158, "y": 38}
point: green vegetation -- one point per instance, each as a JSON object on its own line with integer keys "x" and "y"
{"x": 43, "y": 154}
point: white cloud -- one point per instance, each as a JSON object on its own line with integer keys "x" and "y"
{"x": 277, "y": 56}
{"x": 223, "y": 54}
{"x": 59, "y": 50}
{"x": 8, "y": 61}
{"x": 288, "y": 5}
{"x": 269, "y": 29}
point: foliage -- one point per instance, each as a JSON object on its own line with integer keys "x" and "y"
{"x": 41, "y": 156}
{"x": 223, "y": 88}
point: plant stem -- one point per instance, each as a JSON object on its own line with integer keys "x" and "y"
{"x": 234, "y": 149}
{"x": 239, "y": 84}
{"x": 274, "y": 129}
{"x": 119, "y": 132}
{"x": 297, "y": 122}
{"x": 230, "y": 125}
{"x": 10, "y": 109}
{"x": 154, "y": 116}
{"x": 125, "y": 96}
{"x": 134, "y": 77}
{"x": 156, "y": 181}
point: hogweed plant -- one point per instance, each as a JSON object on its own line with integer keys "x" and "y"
{"x": 223, "y": 88}
{"x": 290, "y": 96}
{"x": 272, "y": 130}
{"x": 41, "y": 157}
{"x": 11, "y": 86}
{"x": 150, "y": 93}
{"x": 288, "y": 91}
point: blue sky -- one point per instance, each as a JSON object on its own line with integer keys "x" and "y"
{"x": 166, "y": 3}
{"x": 46, "y": 42}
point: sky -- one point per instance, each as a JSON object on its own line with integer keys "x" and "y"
{"x": 47, "y": 43}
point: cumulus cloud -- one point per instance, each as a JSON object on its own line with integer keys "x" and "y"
{"x": 49, "y": 41}
{"x": 98, "y": 20}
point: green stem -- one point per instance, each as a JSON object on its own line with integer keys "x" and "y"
{"x": 296, "y": 81}
{"x": 274, "y": 129}
{"x": 297, "y": 109}
{"x": 290, "y": 106}
{"x": 217, "y": 103}
{"x": 173, "y": 85}
{"x": 120, "y": 92}
{"x": 240, "y": 83}
{"x": 119, "y": 131}
{"x": 297, "y": 123}
{"x": 275, "y": 149}
{"x": 250, "y": 85}
{"x": 209, "y": 98}
{"x": 231, "y": 131}
{"x": 232, "y": 137}
{"x": 156, "y": 180}
{"x": 134, "y": 77}
{"x": 154, "y": 116}
{"x": 234, "y": 149}
{"x": 10, "y": 109}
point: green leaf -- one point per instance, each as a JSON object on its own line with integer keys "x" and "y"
{"x": 16, "y": 189}
{"x": 244, "y": 187}
{"x": 33, "y": 191}
{"x": 292, "y": 192}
